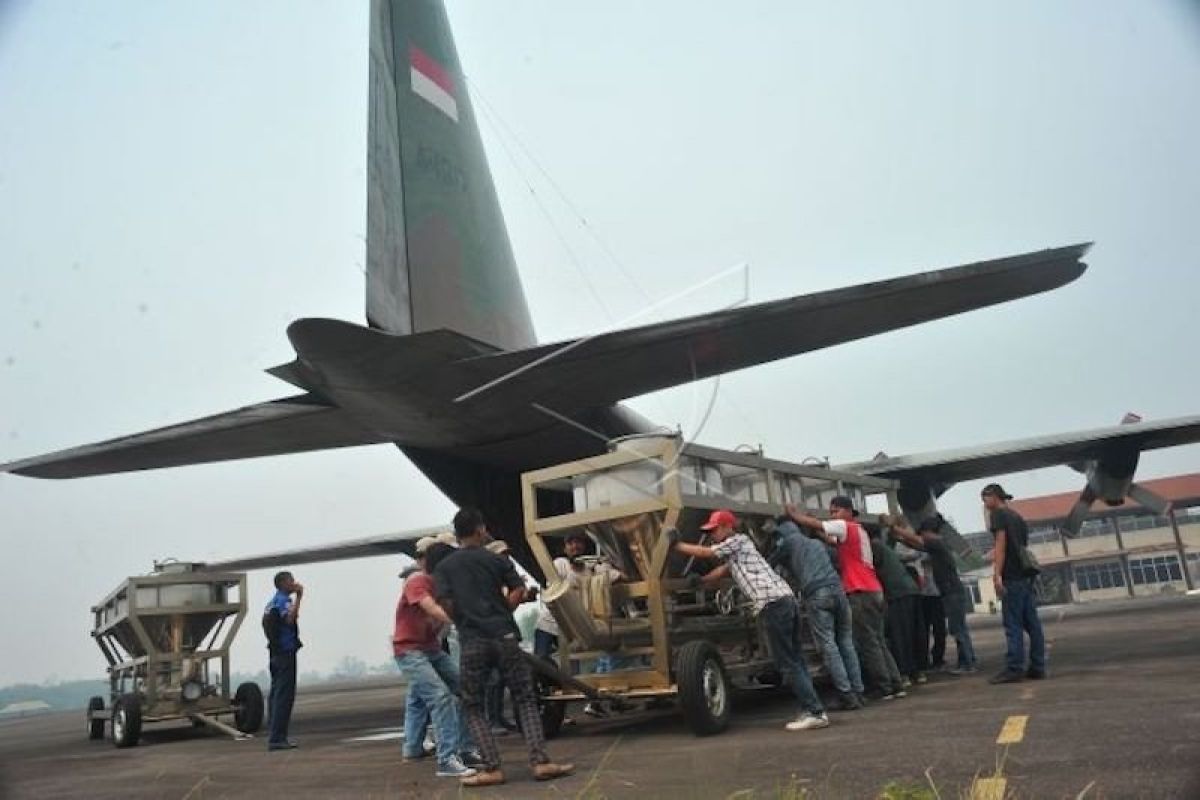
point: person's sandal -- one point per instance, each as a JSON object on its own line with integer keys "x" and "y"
{"x": 549, "y": 771}
{"x": 493, "y": 778}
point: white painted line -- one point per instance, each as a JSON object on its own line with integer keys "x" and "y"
{"x": 387, "y": 734}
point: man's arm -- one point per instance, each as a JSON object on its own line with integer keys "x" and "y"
{"x": 804, "y": 520}
{"x": 714, "y": 576}
{"x": 431, "y": 607}
{"x": 695, "y": 550}
{"x": 998, "y": 564}
{"x": 906, "y": 534}
{"x": 294, "y": 609}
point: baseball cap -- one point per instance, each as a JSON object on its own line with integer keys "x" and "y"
{"x": 447, "y": 538}
{"x": 424, "y": 543}
{"x": 996, "y": 490}
{"x": 718, "y": 518}
{"x": 842, "y": 501}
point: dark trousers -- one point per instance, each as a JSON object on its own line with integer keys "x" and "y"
{"x": 781, "y": 619}
{"x": 283, "y": 695}
{"x": 544, "y": 643}
{"x": 934, "y": 613}
{"x": 867, "y": 612}
{"x": 902, "y": 630}
{"x": 1021, "y": 617}
{"x": 479, "y": 658}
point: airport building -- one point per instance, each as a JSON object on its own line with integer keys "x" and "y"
{"x": 1126, "y": 551}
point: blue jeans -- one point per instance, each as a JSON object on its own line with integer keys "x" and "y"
{"x": 1021, "y": 617}
{"x": 829, "y": 615}
{"x": 782, "y": 621}
{"x": 433, "y": 679}
{"x": 956, "y": 620}
{"x": 416, "y": 720}
{"x": 283, "y": 695}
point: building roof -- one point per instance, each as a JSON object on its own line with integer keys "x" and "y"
{"x": 1179, "y": 489}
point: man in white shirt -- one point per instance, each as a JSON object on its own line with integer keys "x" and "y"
{"x": 772, "y": 599}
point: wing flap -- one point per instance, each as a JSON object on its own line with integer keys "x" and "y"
{"x": 291, "y": 425}
{"x": 970, "y": 463}
{"x": 366, "y": 547}
{"x": 614, "y": 366}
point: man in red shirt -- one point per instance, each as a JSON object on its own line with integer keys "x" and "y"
{"x": 431, "y": 673}
{"x": 865, "y": 592}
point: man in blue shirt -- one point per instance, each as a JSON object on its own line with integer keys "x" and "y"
{"x": 820, "y": 591}
{"x": 283, "y": 640}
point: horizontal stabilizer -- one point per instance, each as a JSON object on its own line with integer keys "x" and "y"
{"x": 384, "y": 545}
{"x": 983, "y": 461}
{"x": 614, "y": 366}
{"x": 292, "y": 425}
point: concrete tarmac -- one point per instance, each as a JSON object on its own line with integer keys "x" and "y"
{"x": 1118, "y": 717}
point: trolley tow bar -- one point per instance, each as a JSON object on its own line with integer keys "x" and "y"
{"x": 221, "y": 726}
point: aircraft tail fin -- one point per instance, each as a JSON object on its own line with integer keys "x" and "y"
{"x": 438, "y": 254}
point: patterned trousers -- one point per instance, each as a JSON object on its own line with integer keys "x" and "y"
{"x": 479, "y": 657}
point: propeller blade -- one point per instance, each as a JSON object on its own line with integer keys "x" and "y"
{"x": 1071, "y": 526}
{"x": 1156, "y": 503}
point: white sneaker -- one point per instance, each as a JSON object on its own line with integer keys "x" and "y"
{"x": 808, "y": 722}
{"x": 454, "y": 768}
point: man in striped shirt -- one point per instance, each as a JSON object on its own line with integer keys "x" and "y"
{"x": 771, "y": 598}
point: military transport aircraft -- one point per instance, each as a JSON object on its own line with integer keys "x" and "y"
{"x": 449, "y": 370}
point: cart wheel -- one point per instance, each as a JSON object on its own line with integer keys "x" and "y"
{"x": 127, "y": 720}
{"x": 552, "y": 713}
{"x": 95, "y": 727}
{"x": 703, "y": 688}
{"x": 248, "y": 707}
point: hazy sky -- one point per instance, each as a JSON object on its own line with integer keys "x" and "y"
{"x": 178, "y": 181}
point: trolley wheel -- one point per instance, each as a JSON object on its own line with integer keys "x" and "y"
{"x": 127, "y": 720}
{"x": 704, "y": 691}
{"x": 552, "y": 713}
{"x": 95, "y": 727}
{"x": 248, "y": 707}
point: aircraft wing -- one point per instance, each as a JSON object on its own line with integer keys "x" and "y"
{"x": 610, "y": 367}
{"x": 291, "y": 425}
{"x": 969, "y": 463}
{"x": 382, "y": 545}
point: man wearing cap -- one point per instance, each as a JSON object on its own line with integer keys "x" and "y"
{"x": 863, "y": 589}
{"x": 1014, "y": 586}
{"x": 945, "y": 576}
{"x": 828, "y": 611}
{"x": 432, "y": 675}
{"x": 481, "y": 589}
{"x": 772, "y": 599}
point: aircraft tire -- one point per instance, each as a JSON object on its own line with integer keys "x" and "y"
{"x": 248, "y": 707}
{"x": 95, "y": 727}
{"x": 127, "y": 720}
{"x": 704, "y": 690}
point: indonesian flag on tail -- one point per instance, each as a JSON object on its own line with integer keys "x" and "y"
{"x": 432, "y": 82}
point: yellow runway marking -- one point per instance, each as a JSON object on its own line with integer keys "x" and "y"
{"x": 1013, "y": 730}
{"x": 988, "y": 789}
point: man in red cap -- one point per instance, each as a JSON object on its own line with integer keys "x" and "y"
{"x": 771, "y": 597}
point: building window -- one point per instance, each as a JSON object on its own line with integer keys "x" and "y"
{"x": 1158, "y": 569}
{"x": 1099, "y": 576}
{"x": 1095, "y": 527}
{"x": 1040, "y": 534}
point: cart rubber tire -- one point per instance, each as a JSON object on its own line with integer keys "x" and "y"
{"x": 248, "y": 707}
{"x": 552, "y": 713}
{"x": 704, "y": 691}
{"x": 127, "y": 720}
{"x": 95, "y": 727}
